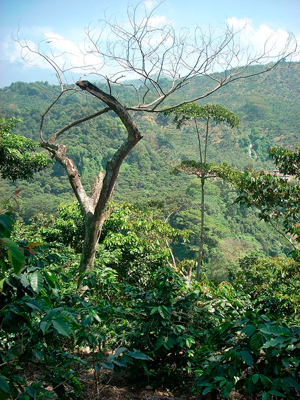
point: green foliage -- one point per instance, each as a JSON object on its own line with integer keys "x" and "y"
{"x": 273, "y": 285}
{"x": 277, "y": 199}
{"x": 134, "y": 240}
{"x": 287, "y": 161}
{"x": 163, "y": 322}
{"x": 255, "y": 355}
{"x": 214, "y": 112}
{"x": 66, "y": 228}
{"x": 11, "y": 254}
{"x": 36, "y": 318}
{"x": 145, "y": 174}
{"x": 18, "y": 159}
{"x": 137, "y": 308}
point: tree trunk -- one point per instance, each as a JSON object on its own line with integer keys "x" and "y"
{"x": 200, "y": 253}
{"x": 95, "y": 206}
{"x": 91, "y": 239}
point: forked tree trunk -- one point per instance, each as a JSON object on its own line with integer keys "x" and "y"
{"x": 95, "y": 206}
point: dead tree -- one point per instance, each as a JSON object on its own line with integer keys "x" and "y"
{"x": 155, "y": 62}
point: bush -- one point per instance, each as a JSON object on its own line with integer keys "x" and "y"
{"x": 254, "y": 355}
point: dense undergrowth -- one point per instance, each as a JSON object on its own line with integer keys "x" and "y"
{"x": 137, "y": 312}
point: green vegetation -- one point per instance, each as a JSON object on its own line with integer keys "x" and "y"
{"x": 208, "y": 114}
{"x": 138, "y": 315}
{"x": 233, "y": 230}
{"x": 18, "y": 159}
{"x": 140, "y": 312}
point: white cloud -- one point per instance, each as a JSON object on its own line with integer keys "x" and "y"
{"x": 158, "y": 21}
{"x": 261, "y": 40}
{"x": 66, "y": 53}
{"x": 150, "y": 4}
{"x": 76, "y": 55}
{"x": 236, "y": 23}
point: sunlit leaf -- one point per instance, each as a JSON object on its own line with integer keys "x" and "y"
{"x": 36, "y": 281}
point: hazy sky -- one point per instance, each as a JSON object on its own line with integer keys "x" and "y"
{"x": 66, "y": 19}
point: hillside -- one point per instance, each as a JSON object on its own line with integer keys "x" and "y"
{"x": 268, "y": 107}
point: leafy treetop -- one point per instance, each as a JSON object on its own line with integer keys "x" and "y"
{"x": 210, "y": 111}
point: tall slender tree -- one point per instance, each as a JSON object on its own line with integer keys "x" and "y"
{"x": 208, "y": 114}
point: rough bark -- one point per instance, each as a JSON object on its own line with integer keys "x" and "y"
{"x": 95, "y": 206}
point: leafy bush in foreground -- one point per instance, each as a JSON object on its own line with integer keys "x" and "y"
{"x": 254, "y": 355}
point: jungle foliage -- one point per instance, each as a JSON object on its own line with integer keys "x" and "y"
{"x": 145, "y": 173}
{"x": 140, "y": 312}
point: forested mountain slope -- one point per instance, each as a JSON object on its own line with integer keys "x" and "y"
{"x": 268, "y": 107}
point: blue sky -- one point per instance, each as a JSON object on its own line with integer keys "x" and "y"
{"x": 67, "y": 19}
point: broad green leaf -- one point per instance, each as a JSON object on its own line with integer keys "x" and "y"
{"x": 161, "y": 312}
{"x": 138, "y": 355}
{"x": 189, "y": 341}
{"x": 274, "y": 342}
{"x": 292, "y": 382}
{"x": 154, "y": 310}
{"x": 255, "y": 341}
{"x": 274, "y": 329}
{"x": 14, "y": 249}
{"x": 120, "y": 362}
{"x": 246, "y": 356}
{"x": 249, "y": 330}
{"x": 180, "y": 328}
{"x": 16, "y": 265}
{"x": 50, "y": 278}
{"x": 207, "y": 390}
{"x": 227, "y": 389}
{"x": 24, "y": 280}
{"x": 108, "y": 365}
{"x": 1, "y": 284}
{"x": 265, "y": 380}
{"x": 33, "y": 306}
{"x": 97, "y": 368}
{"x": 265, "y": 396}
{"x": 286, "y": 362}
{"x": 94, "y": 315}
{"x": 295, "y": 360}
{"x": 119, "y": 351}
{"x": 220, "y": 379}
{"x": 36, "y": 280}
{"x": 92, "y": 339}
{"x": 53, "y": 312}
{"x": 3, "y": 384}
{"x": 255, "y": 378}
{"x": 6, "y": 221}
{"x": 275, "y": 393}
{"x": 31, "y": 391}
{"x": 61, "y": 326}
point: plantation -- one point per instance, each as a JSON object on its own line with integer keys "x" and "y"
{"x": 139, "y": 314}
{"x": 149, "y": 237}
